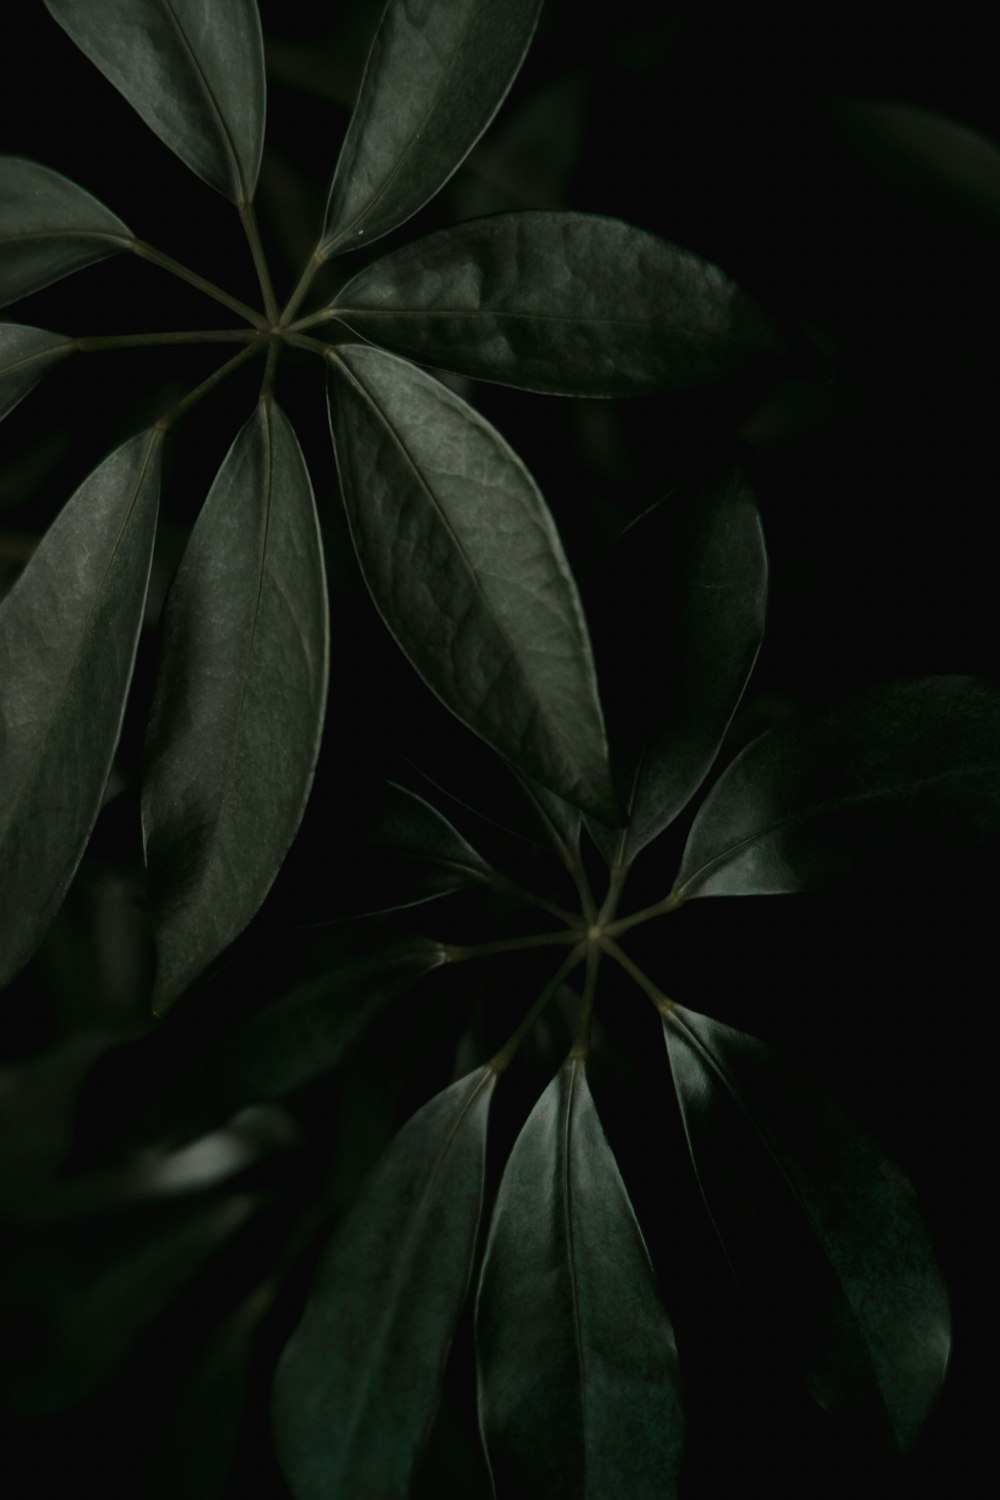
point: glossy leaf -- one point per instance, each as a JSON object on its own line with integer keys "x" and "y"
{"x": 568, "y": 303}
{"x": 854, "y": 1283}
{"x": 238, "y": 711}
{"x": 884, "y": 784}
{"x": 358, "y": 1383}
{"x": 68, "y": 634}
{"x": 436, "y": 76}
{"x": 26, "y": 357}
{"x": 691, "y": 574}
{"x": 49, "y": 226}
{"x": 193, "y": 70}
{"x": 465, "y": 565}
{"x": 578, "y": 1383}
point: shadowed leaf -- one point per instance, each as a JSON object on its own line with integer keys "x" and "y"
{"x": 238, "y": 711}
{"x": 567, "y": 303}
{"x": 358, "y": 1383}
{"x": 579, "y": 1394}
{"x": 193, "y": 70}
{"x": 68, "y": 635}
{"x": 26, "y": 357}
{"x": 49, "y": 226}
{"x": 464, "y": 562}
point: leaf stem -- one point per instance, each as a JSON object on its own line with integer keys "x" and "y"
{"x": 502, "y": 1059}
{"x": 325, "y": 315}
{"x": 216, "y": 378}
{"x": 581, "y": 1045}
{"x": 456, "y": 953}
{"x": 642, "y": 979}
{"x": 92, "y": 344}
{"x": 302, "y": 341}
{"x": 512, "y": 888}
{"x": 305, "y": 282}
{"x": 619, "y": 875}
{"x": 267, "y": 383}
{"x": 248, "y": 218}
{"x": 659, "y": 909}
{"x": 185, "y": 273}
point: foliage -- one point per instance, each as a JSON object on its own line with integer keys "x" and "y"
{"x": 502, "y": 1217}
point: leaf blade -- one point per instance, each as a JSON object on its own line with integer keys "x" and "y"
{"x": 240, "y": 700}
{"x": 194, "y": 73}
{"x": 565, "y": 303}
{"x": 357, "y": 1384}
{"x": 579, "y": 1393}
{"x": 49, "y": 227}
{"x": 69, "y": 629}
{"x": 436, "y": 76}
{"x": 26, "y": 357}
{"x": 465, "y": 565}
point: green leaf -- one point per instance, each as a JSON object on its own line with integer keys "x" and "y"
{"x": 884, "y": 785}
{"x": 691, "y": 574}
{"x": 49, "y": 226}
{"x": 578, "y": 1385}
{"x": 465, "y": 565}
{"x": 358, "y": 1383}
{"x": 68, "y": 634}
{"x": 238, "y": 711}
{"x": 26, "y": 356}
{"x": 850, "y": 1279}
{"x": 567, "y": 303}
{"x": 436, "y": 76}
{"x": 193, "y": 70}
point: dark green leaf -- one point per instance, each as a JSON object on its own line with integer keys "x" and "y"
{"x": 691, "y": 574}
{"x": 578, "y": 1383}
{"x": 436, "y": 76}
{"x": 885, "y": 784}
{"x": 851, "y": 1280}
{"x": 567, "y": 303}
{"x": 465, "y": 565}
{"x": 26, "y": 356}
{"x": 358, "y": 1383}
{"x": 68, "y": 635}
{"x": 238, "y": 712}
{"x": 193, "y": 70}
{"x": 49, "y": 227}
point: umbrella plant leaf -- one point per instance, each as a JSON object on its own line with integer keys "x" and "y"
{"x": 567, "y": 303}
{"x": 26, "y": 357}
{"x": 68, "y": 634}
{"x": 883, "y": 783}
{"x": 464, "y": 562}
{"x": 436, "y": 76}
{"x": 49, "y": 226}
{"x": 579, "y": 1394}
{"x": 821, "y": 1229}
{"x": 358, "y": 1383}
{"x": 194, "y": 71}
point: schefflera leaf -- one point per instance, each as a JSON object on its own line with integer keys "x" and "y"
{"x": 358, "y": 1383}
{"x": 888, "y": 783}
{"x": 26, "y": 357}
{"x": 68, "y": 634}
{"x": 417, "y": 855}
{"x": 579, "y": 1392}
{"x": 49, "y": 227}
{"x": 567, "y": 303}
{"x": 464, "y": 563}
{"x": 691, "y": 574}
{"x": 436, "y": 75}
{"x": 821, "y": 1229}
{"x": 239, "y": 702}
{"x": 194, "y": 71}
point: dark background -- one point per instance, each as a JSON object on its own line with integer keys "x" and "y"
{"x": 838, "y": 166}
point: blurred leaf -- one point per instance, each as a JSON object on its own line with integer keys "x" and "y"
{"x": 359, "y": 1381}
{"x": 691, "y": 574}
{"x": 855, "y": 1285}
{"x": 26, "y": 356}
{"x": 436, "y": 76}
{"x": 238, "y": 712}
{"x": 49, "y": 226}
{"x": 466, "y": 567}
{"x": 193, "y": 70}
{"x": 883, "y": 784}
{"x": 578, "y": 1383}
{"x": 68, "y": 634}
{"x": 567, "y": 303}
